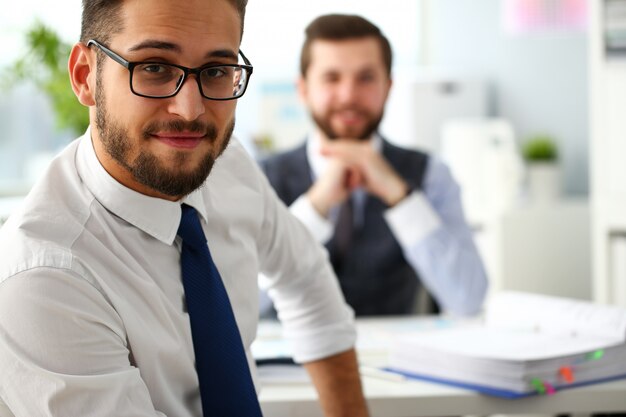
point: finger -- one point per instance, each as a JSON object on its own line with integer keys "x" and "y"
{"x": 354, "y": 179}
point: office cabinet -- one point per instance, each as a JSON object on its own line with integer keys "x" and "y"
{"x": 540, "y": 248}
{"x": 607, "y": 65}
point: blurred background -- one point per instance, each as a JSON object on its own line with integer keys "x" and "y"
{"x": 521, "y": 97}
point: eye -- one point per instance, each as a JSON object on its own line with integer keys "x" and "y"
{"x": 330, "y": 78}
{"x": 367, "y": 77}
{"x": 216, "y": 72}
{"x": 156, "y": 71}
{"x": 155, "y": 68}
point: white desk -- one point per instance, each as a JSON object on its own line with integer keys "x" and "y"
{"x": 412, "y": 398}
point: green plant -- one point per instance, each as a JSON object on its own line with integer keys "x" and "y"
{"x": 540, "y": 148}
{"x": 45, "y": 64}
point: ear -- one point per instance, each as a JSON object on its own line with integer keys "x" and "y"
{"x": 82, "y": 69}
{"x": 389, "y": 85}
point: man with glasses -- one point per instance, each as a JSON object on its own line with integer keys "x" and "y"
{"x": 390, "y": 218}
{"x": 128, "y": 279}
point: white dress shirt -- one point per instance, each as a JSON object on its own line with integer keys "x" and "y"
{"x": 92, "y": 318}
{"x": 429, "y": 226}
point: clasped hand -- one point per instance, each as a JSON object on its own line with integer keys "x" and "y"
{"x": 350, "y": 165}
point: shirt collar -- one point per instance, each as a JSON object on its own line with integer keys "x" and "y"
{"x": 318, "y": 162}
{"x": 155, "y": 216}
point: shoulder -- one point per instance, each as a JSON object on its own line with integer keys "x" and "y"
{"x": 41, "y": 232}
{"x": 235, "y": 165}
{"x": 41, "y": 247}
{"x": 439, "y": 171}
{"x": 236, "y": 180}
{"x": 284, "y": 161}
{"x": 288, "y": 172}
{"x": 439, "y": 182}
{"x": 405, "y": 153}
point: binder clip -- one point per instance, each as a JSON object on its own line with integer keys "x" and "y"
{"x": 567, "y": 373}
{"x": 595, "y": 355}
{"x": 538, "y": 385}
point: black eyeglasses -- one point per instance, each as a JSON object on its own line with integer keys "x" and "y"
{"x": 162, "y": 80}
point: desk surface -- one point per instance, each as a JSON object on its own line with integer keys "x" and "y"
{"x": 412, "y": 398}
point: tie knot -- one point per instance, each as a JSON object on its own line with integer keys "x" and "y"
{"x": 190, "y": 229}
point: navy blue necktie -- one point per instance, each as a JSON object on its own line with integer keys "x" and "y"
{"x": 226, "y": 386}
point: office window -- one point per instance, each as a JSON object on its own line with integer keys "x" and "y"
{"x": 28, "y": 136}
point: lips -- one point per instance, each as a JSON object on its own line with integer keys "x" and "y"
{"x": 349, "y": 117}
{"x": 181, "y": 140}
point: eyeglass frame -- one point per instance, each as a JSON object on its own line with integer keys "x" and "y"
{"x": 130, "y": 66}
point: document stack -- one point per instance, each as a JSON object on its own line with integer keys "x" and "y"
{"x": 528, "y": 344}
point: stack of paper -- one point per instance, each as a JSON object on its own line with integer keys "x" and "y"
{"x": 528, "y": 344}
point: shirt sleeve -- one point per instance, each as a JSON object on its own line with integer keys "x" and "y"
{"x": 320, "y": 227}
{"x": 302, "y": 285}
{"x": 63, "y": 347}
{"x": 430, "y": 227}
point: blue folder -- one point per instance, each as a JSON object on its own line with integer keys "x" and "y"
{"x": 502, "y": 393}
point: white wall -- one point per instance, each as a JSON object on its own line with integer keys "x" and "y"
{"x": 539, "y": 82}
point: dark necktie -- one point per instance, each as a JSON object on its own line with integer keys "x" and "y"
{"x": 226, "y": 386}
{"x": 344, "y": 228}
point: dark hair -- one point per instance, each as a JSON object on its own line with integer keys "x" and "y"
{"x": 101, "y": 18}
{"x": 337, "y": 27}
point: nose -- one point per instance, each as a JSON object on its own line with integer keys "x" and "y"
{"x": 188, "y": 103}
{"x": 347, "y": 91}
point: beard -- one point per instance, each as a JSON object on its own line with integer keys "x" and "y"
{"x": 324, "y": 124}
{"x": 146, "y": 168}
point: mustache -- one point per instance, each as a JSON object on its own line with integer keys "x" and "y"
{"x": 354, "y": 108}
{"x": 209, "y": 130}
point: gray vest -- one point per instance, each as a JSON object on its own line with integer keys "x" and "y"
{"x": 374, "y": 275}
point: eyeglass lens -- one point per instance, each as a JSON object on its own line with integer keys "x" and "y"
{"x": 158, "y": 80}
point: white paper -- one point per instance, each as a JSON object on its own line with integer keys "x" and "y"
{"x": 557, "y": 316}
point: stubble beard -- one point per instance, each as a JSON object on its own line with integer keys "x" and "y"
{"x": 146, "y": 168}
{"x": 324, "y": 124}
